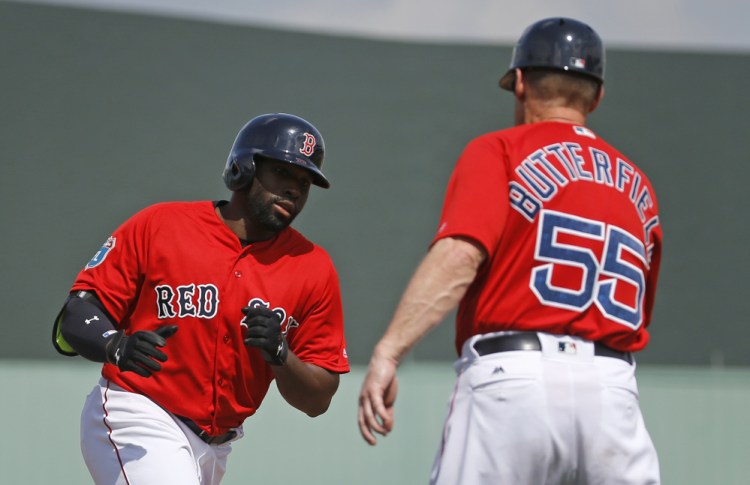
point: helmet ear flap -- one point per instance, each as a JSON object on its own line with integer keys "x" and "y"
{"x": 238, "y": 175}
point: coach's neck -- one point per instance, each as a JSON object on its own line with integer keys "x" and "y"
{"x": 531, "y": 108}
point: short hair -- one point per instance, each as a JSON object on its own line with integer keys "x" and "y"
{"x": 572, "y": 89}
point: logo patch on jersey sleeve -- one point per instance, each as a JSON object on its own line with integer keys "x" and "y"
{"x": 101, "y": 255}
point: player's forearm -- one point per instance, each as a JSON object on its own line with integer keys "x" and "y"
{"x": 87, "y": 328}
{"x": 307, "y": 387}
{"x": 436, "y": 288}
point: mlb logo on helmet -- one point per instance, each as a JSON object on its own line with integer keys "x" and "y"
{"x": 578, "y": 62}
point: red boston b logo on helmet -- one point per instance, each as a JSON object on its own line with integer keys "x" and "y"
{"x": 309, "y": 146}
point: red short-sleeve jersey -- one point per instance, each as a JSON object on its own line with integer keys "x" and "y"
{"x": 178, "y": 264}
{"x": 571, "y": 231}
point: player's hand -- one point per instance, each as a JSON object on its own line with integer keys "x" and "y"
{"x": 264, "y": 332}
{"x": 139, "y": 352}
{"x": 377, "y": 398}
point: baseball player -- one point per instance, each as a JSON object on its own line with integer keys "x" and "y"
{"x": 549, "y": 243}
{"x": 195, "y": 307}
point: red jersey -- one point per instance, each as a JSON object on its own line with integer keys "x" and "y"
{"x": 571, "y": 231}
{"x": 179, "y": 264}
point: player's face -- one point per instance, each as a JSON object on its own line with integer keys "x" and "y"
{"x": 278, "y": 193}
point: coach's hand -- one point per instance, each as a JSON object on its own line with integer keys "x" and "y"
{"x": 377, "y": 398}
{"x": 139, "y": 352}
{"x": 264, "y": 332}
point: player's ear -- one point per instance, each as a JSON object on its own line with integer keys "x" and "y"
{"x": 520, "y": 85}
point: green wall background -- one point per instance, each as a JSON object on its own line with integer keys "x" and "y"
{"x": 697, "y": 419}
{"x": 102, "y": 114}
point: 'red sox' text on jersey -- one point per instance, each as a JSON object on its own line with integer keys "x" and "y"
{"x": 144, "y": 285}
{"x": 580, "y": 276}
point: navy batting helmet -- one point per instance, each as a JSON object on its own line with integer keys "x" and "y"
{"x": 557, "y": 43}
{"x": 278, "y": 136}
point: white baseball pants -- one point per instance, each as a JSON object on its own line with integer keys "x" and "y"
{"x": 127, "y": 439}
{"x": 559, "y": 416}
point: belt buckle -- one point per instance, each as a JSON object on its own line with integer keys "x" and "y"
{"x": 218, "y": 440}
{"x": 221, "y": 439}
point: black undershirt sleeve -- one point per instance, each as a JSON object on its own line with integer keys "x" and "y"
{"x": 87, "y": 328}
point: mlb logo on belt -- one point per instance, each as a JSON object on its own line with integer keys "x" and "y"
{"x": 567, "y": 347}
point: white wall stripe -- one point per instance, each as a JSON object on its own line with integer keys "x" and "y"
{"x": 695, "y": 25}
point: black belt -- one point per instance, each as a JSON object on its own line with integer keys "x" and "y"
{"x": 211, "y": 440}
{"x": 530, "y": 341}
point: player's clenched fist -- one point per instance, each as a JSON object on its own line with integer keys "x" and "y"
{"x": 264, "y": 332}
{"x": 139, "y": 352}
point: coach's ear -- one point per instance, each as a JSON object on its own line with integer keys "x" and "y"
{"x": 599, "y": 96}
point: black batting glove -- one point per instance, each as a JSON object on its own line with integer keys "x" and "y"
{"x": 264, "y": 332}
{"x": 139, "y": 352}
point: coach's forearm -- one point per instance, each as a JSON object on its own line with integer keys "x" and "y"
{"x": 307, "y": 387}
{"x": 436, "y": 288}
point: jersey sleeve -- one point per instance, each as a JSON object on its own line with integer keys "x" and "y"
{"x": 319, "y": 339}
{"x": 116, "y": 269}
{"x": 473, "y": 205}
{"x": 653, "y": 251}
